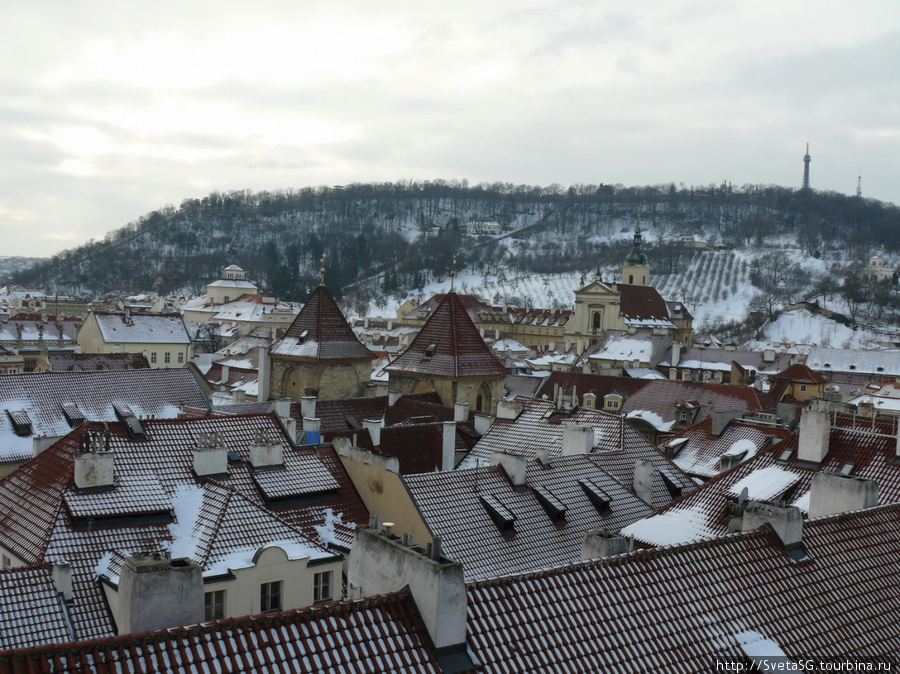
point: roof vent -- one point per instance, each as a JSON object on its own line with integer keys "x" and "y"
{"x": 502, "y": 516}
{"x": 73, "y": 415}
{"x": 301, "y": 338}
{"x": 430, "y": 350}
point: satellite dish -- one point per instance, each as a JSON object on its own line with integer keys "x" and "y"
{"x": 734, "y": 524}
{"x": 742, "y": 499}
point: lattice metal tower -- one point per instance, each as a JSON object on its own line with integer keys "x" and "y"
{"x": 859, "y": 185}
{"x": 806, "y": 160}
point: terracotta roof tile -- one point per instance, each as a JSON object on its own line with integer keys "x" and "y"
{"x": 448, "y": 345}
{"x": 32, "y": 610}
{"x": 320, "y": 332}
{"x": 378, "y": 634}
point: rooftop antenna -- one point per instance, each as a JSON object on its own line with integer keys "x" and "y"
{"x": 322, "y": 270}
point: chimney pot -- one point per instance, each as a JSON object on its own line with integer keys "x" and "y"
{"x": 308, "y": 406}
{"x": 602, "y": 543}
{"x": 815, "y": 431}
{"x": 460, "y": 411}
{"x": 832, "y": 493}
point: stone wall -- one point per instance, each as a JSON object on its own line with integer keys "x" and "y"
{"x": 330, "y": 379}
{"x": 452, "y": 391}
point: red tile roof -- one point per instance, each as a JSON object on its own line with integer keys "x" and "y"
{"x": 701, "y": 513}
{"x": 158, "y": 393}
{"x": 86, "y": 362}
{"x": 320, "y": 332}
{"x": 368, "y": 636}
{"x": 697, "y": 451}
{"x": 616, "y": 443}
{"x": 46, "y": 530}
{"x": 643, "y": 303}
{"x": 800, "y": 373}
{"x": 450, "y": 504}
{"x": 455, "y": 346}
{"x": 678, "y": 609}
{"x": 599, "y": 385}
{"x": 32, "y": 612}
{"x": 655, "y": 402}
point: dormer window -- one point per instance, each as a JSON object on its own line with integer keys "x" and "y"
{"x": 499, "y": 513}
{"x": 21, "y": 423}
{"x": 301, "y": 339}
{"x": 430, "y": 350}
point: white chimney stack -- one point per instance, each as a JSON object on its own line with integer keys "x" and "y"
{"x": 374, "y": 428}
{"x": 94, "y": 469}
{"x": 513, "y": 465}
{"x": 832, "y": 493}
{"x": 460, "y": 412}
{"x": 577, "y": 439}
{"x": 643, "y": 480}
{"x": 283, "y": 408}
{"x": 815, "y": 430}
{"x": 264, "y": 452}
{"x": 448, "y": 445}
{"x": 265, "y": 372}
{"x": 308, "y": 406}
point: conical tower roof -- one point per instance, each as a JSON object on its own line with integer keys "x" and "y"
{"x": 321, "y": 332}
{"x": 448, "y": 345}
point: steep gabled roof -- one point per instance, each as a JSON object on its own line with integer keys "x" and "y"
{"x": 320, "y": 332}
{"x": 801, "y": 374}
{"x": 642, "y": 303}
{"x": 33, "y": 613}
{"x": 448, "y": 345}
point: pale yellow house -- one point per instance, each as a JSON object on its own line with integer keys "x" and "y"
{"x": 162, "y": 338}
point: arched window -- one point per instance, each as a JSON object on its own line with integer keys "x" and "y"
{"x": 478, "y": 403}
{"x": 598, "y": 320}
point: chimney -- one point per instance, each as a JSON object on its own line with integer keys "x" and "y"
{"x": 283, "y": 408}
{"x": 265, "y": 452}
{"x": 94, "y": 470}
{"x": 543, "y": 456}
{"x": 508, "y": 410}
{"x": 866, "y": 408}
{"x": 577, "y": 439}
{"x": 311, "y": 424}
{"x": 238, "y": 396}
{"x": 483, "y": 423}
{"x": 832, "y": 493}
{"x": 379, "y": 565}
{"x": 374, "y": 428}
{"x": 225, "y": 374}
{"x": 720, "y": 421}
{"x": 787, "y": 522}
{"x": 460, "y": 412}
{"x": 643, "y": 480}
{"x": 308, "y": 407}
{"x": 769, "y": 356}
{"x": 815, "y": 429}
{"x": 602, "y": 543}
{"x": 156, "y": 592}
{"x": 62, "y": 579}
{"x": 448, "y": 445}
{"x": 211, "y": 455}
{"x": 393, "y": 397}
{"x": 513, "y": 465}
{"x": 265, "y": 373}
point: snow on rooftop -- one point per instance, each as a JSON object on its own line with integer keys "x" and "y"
{"x": 757, "y": 647}
{"x": 765, "y": 484}
{"x": 651, "y": 418}
{"x": 671, "y": 527}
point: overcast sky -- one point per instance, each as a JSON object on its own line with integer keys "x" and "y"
{"x": 109, "y": 110}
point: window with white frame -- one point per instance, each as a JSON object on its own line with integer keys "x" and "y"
{"x": 153, "y": 357}
{"x": 180, "y": 357}
{"x": 322, "y": 586}
{"x": 167, "y": 357}
{"x": 214, "y": 605}
{"x": 270, "y": 596}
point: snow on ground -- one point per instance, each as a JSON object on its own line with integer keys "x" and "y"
{"x": 802, "y": 326}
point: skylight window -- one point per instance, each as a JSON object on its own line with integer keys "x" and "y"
{"x": 848, "y": 468}
{"x": 499, "y": 513}
{"x": 302, "y": 337}
{"x": 785, "y": 455}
